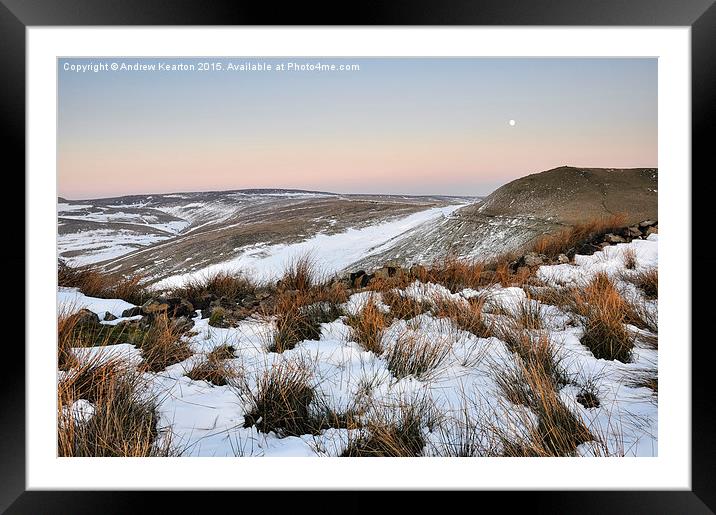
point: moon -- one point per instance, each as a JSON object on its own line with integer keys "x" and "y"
{"x": 512, "y": 123}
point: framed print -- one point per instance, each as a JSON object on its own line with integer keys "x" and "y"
{"x": 419, "y": 252}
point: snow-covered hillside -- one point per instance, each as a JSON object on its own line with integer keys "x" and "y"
{"x": 462, "y": 391}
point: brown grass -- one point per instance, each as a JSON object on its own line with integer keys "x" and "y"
{"x": 466, "y": 315}
{"x": 630, "y": 261}
{"x": 368, "y": 326}
{"x": 415, "y": 355}
{"x": 163, "y": 345}
{"x": 281, "y": 401}
{"x": 647, "y": 281}
{"x": 300, "y": 274}
{"x": 234, "y": 286}
{"x": 214, "y": 368}
{"x": 605, "y": 314}
{"x": 567, "y": 241}
{"x": 295, "y": 321}
{"x": 97, "y": 284}
{"x": 404, "y": 307}
{"x": 558, "y": 431}
{"x": 124, "y": 422}
{"x": 457, "y": 274}
{"x": 393, "y": 431}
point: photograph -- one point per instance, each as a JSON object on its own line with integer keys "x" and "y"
{"x": 357, "y": 257}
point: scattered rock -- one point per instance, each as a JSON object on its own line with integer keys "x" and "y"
{"x": 532, "y": 259}
{"x": 562, "y": 259}
{"x": 108, "y": 317}
{"x": 182, "y": 324}
{"x": 633, "y": 231}
{"x": 86, "y": 318}
{"x": 132, "y": 312}
{"x": 647, "y": 223}
{"x": 652, "y": 230}
{"x": 614, "y": 238}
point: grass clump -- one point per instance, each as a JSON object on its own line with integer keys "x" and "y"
{"x": 200, "y": 290}
{"x": 413, "y": 354}
{"x": 466, "y": 315}
{"x": 605, "y": 314}
{"x": 94, "y": 283}
{"x": 557, "y": 430}
{"x": 404, "y": 307}
{"x": 647, "y": 281}
{"x": 122, "y": 421}
{"x": 281, "y": 401}
{"x": 393, "y": 431}
{"x": 300, "y": 274}
{"x": 629, "y": 258}
{"x": 569, "y": 240}
{"x": 294, "y": 322}
{"x": 368, "y": 327}
{"x": 214, "y": 368}
{"x": 163, "y": 345}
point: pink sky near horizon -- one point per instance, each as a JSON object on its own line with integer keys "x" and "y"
{"x": 387, "y": 129}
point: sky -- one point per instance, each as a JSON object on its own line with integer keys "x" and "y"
{"x": 451, "y": 126}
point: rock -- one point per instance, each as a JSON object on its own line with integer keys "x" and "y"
{"x": 204, "y": 301}
{"x": 387, "y": 272}
{"x": 364, "y": 280}
{"x": 604, "y": 244}
{"x": 353, "y": 276}
{"x": 182, "y": 324}
{"x": 652, "y": 230}
{"x": 647, "y": 223}
{"x": 633, "y": 231}
{"x": 86, "y": 318}
{"x": 132, "y": 312}
{"x": 183, "y": 309}
{"x": 108, "y": 317}
{"x": 418, "y": 271}
{"x": 614, "y": 238}
{"x": 562, "y": 259}
{"x": 532, "y": 259}
{"x": 359, "y": 279}
{"x": 153, "y": 307}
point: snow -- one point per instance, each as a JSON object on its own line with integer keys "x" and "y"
{"x": 71, "y": 299}
{"x": 208, "y": 420}
{"x": 332, "y": 252}
{"x": 609, "y": 260}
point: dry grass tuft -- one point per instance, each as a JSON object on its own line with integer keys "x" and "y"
{"x": 568, "y": 240}
{"x": 368, "y": 326}
{"x": 163, "y": 345}
{"x": 97, "y": 284}
{"x": 214, "y": 368}
{"x": 403, "y": 306}
{"x": 529, "y": 315}
{"x": 605, "y": 314}
{"x": 465, "y": 315}
{"x": 393, "y": 431}
{"x": 630, "y": 261}
{"x": 295, "y": 321}
{"x": 557, "y": 431}
{"x": 218, "y": 284}
{"x": 456, "y": 274}
{"x": 123, "y": 422}
{"x": 413, "y": 354}
{"x": 647, "y": 281}
{"x": 281, "y": 401}
{"x": 300, "y": 274}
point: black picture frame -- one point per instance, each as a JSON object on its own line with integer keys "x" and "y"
{"x": 700, "y": 15}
